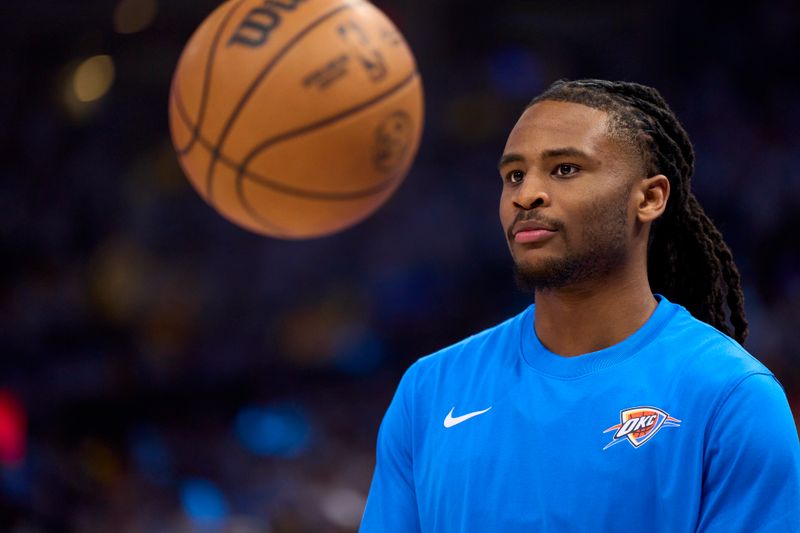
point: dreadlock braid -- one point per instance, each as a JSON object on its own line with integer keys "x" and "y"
{"x": 688, "y": 260}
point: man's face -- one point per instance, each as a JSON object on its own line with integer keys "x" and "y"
{"x": 566, "y": 197}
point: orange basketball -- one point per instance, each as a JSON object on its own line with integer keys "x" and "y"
{"x": 296, "y": 118}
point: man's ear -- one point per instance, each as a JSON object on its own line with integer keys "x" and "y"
{"x": 652, "y": 197}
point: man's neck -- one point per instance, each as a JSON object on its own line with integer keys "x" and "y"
{"x": 580, "y": 319}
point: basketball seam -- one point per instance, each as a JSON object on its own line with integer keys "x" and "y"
{"x": 241, "y": 169}
{"x": 258, "y": 80}
{"x": 321, "y": 124}
{"x": 278, "y": 231}
{"x": 206, "y": 79}
{"x": 382, "y": 187}
{"x": 184, "y": 115}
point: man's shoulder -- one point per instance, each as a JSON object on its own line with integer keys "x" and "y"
{"x": 709, "y": 355}
{"x": 478, "y": 350}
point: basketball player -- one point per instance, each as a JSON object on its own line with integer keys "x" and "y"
{"x": 621, "y": 400}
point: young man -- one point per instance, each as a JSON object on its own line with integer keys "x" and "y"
{"x": 607, "y": 406}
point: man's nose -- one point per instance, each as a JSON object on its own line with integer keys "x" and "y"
{"x": 531, "y": 195}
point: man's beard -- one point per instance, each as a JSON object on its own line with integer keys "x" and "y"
{"x": 606, "y": 250}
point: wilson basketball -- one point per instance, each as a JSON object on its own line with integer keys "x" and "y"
{"x": 296, "y": 118}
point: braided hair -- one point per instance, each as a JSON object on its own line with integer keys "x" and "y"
{"x": 688, "y": 260}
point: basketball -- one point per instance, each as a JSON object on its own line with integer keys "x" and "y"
{"x": 296, "y": 118}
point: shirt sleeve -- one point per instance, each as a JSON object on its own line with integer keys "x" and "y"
{"x": 751, "y": 473}
{"x": 392, "y": 501}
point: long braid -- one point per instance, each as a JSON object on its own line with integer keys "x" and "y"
{"x": 688, "y": 260}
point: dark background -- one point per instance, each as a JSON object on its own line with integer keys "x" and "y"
{"x": 163, "y": 370}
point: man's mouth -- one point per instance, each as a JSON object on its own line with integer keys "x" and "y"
{"x": 530, "y": 231}
{"x": 532, "y": 235}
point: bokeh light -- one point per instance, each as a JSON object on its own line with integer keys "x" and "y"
{"x": 12, "y": 429}
{"x": 203, "y": 502}
{"x": 281, "y": 431}
{"x": 344, "y": 507}
{"x": 132, "y": 16}
{"x": 93, "y": 78}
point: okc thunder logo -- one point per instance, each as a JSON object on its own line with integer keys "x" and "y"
{"x": 640, "y": 424}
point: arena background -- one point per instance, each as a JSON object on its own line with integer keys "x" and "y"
{"x": 163, "y": 370}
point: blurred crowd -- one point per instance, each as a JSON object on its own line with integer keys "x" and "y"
{"x": 164, "y": 370}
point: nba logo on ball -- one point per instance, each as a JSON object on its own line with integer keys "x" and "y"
{"x": 296, "y": 118}
{"x": 394, "y": 136}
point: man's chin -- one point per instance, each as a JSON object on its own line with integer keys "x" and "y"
{"x": 558, "y": 272}
{"x": 545, "y": 274}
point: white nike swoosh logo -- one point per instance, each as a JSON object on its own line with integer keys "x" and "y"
{"x": 450, "y": 421}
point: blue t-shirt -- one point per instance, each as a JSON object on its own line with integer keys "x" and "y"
{"x": 674, "y": 429}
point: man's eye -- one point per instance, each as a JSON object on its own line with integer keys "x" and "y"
{"x": 565, "y": 169}
{"x": 515, "y": 176}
